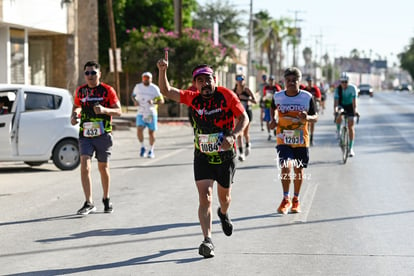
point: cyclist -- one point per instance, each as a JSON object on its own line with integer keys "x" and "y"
{"x": 316, "y": 93}
{"x": 345, "y": 96}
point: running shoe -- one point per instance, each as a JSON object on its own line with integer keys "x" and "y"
{"x": 269, "y": 137}
{"x": 226, "y": 224}
{"x": 351, "y": 152}
{"x": 107, "y": 205}
{"x": 248, "y": 150}
{"x": 151, "y": 154}
{"x": 295, "y": 205}
{"x": 86, "y": 209}
{"x": 142, "y": 152}
{"x": 284, "y": 206}
{"x": 206, "y": 248}
{"x": 242, "y": 157}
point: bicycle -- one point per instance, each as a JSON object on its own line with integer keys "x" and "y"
{"x": 344, "y": 134}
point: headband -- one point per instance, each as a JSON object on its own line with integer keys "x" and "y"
{"x": 204, "y": 71}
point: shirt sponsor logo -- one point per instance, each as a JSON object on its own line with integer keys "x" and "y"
{"x": 290, "y": 107}
{"x": 206, "y": 112}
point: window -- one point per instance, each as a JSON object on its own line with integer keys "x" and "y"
{"x": 41, "y": 101}
{"x": 17, "y": 55}
{"x": 8, "y": 97}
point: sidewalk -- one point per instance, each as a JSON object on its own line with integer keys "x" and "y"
{"x": 128, "y": 118}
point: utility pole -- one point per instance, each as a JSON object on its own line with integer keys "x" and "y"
{"x": 112, "y": 35}
{"x": 296, "y": 20}
{"x": 250, "y": 47}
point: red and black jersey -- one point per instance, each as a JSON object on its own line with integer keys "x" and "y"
{"x": 314, "y": 90}
{"x": 86, "y": 97}
{"x": 272, "y": 88}
{"x": 215, "y": 115}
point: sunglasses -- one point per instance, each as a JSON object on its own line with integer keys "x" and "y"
{"x": 239, "y": 78}
{"x": 344, "y": 82}
{"x": 93, "y": 73}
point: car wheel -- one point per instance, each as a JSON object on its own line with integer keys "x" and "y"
{"x": 66, "y": 155}
{"x": 35, "y": 163}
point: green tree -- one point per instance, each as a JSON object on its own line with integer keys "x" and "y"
{"x": 260, "y": 33}
{"x": 131, "y": 13}
{"x": 227, "y": 17}
{"x": 354, "y": 53}
{"x": 407, "y": 59}
{"x": 307, "y": 55}
{"x": 146, "y": 45}
{"x": 270, "y": 35}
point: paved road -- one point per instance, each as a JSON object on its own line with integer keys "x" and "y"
{"x": 357, "y": 218}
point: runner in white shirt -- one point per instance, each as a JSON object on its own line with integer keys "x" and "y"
{"x": 147, "y": 96}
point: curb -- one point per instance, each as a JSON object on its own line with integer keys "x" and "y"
{"x": 127, "y": 121}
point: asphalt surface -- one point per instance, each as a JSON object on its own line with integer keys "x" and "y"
{"x": 356, "y": 219}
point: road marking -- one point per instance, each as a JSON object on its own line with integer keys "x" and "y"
{"x": 307, "y": 198}
{"x": 162, "y": 157}
{"x": 174, "y": 152}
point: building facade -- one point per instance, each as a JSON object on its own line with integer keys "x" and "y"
{"x": 47, "y": 42}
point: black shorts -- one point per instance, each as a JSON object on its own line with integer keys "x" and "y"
{"x": 299, "y": 156}
{"x": 249, "y": 114}
{"x": 349, "y": 110}
{"x": 222, "y": 173}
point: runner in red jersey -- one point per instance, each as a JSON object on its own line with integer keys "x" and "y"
{"x": 95, "y": 103}
{"x": 214, "y": 111}
{"x": 268, "y": 91}
{"x": 317, "y": 95}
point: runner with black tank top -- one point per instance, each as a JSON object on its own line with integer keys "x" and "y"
{"x": 247, "y": 98}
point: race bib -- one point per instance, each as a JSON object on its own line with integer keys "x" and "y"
{"x": 209, "y": 143}
{"x": 93, "y": 129}
{"x": 148, "y": 119}
{"x": 293, "y": 137}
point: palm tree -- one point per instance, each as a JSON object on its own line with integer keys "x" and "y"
{"x": 307, "y": 57}
{"x": 269, "y": 36}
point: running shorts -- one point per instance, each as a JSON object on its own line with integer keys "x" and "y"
{"x": 222, "y": 173}
{"x": 299, "y": 155}
{"x": 150, "y": 121}
{"x": 100, "y": 145}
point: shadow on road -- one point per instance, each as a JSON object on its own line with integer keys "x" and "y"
{"x": 131, "y": 262}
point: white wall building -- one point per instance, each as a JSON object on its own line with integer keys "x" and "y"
{"x": 41, "y": 42}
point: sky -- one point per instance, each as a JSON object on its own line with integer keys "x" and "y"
{"x": 382, "y": 28}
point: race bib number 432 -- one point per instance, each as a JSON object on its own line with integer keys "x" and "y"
{"x": 92, "y": 129}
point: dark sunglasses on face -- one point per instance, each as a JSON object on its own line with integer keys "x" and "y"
{"x": 344, "y": 82}
{"x": 93, "y": 73}
{"x": 239, "y": 78}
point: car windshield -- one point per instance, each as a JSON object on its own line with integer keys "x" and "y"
{"x": 364, "y": 86}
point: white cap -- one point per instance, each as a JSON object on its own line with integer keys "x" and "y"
{"x": 147, "y": 74}
{"x": 344, "y": 76}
